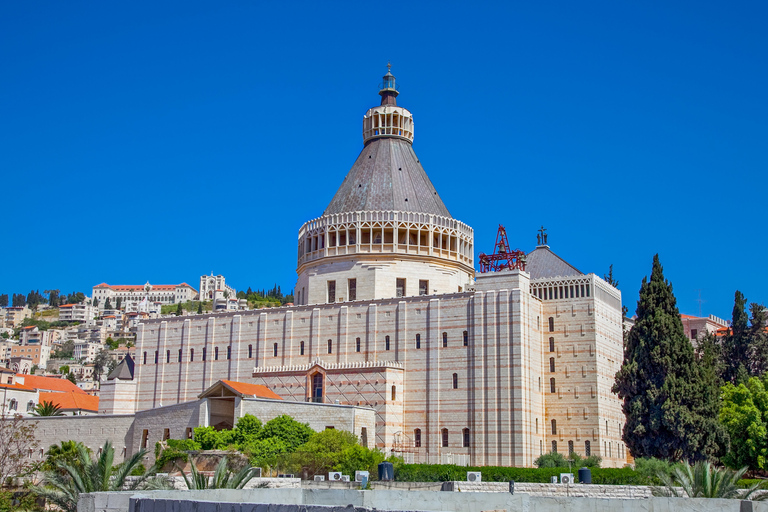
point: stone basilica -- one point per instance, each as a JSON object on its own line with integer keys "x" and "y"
{"x": 488, "y": 369}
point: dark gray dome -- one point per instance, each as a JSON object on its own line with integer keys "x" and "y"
{"x": 387, "y": 175}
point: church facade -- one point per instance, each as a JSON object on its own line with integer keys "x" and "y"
{"x": 489, "y": 369}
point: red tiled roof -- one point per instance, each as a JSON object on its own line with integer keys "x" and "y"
{"x": 139, "y": 287}
{"x": 50, "y": 384}
{"x": 72, "y": 401}
{"x": 687, "y": 316}
{"x": 252, "y": 389}
{"x": 30, "y": 327}
{"x": 67, "y": 306}
{"x": 20, "y": 387}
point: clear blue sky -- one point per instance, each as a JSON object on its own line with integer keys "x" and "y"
{"x": 163, "y": 140}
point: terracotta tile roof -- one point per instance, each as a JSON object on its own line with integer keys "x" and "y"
{"x": 50, "y": 384}
{"x": 67, "y": 306}
{"x": 20, "y": 387}
{"x": 71, "y": 401}
{"x": 140, "y": 287}
{"x": 257, "y": 390}
{"x": 30, "y": 327}
{"x": 687, "y": 316}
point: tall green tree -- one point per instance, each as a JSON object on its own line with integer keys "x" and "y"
{"x": 107, "y": 304}
{"x": 200, "y": 308}
{"x": 669, "y": 409}
{"x": 736, "y": 346}
{"x": 758, "y": 340}
{"x": 179, "y": 310}
{"x": 119, "y": 303}
{"x": 4, "y": 300}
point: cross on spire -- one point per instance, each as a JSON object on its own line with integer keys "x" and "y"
{"x": 541, "y": 238}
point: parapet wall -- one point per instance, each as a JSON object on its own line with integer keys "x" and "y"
{"x": 338, "y": 500}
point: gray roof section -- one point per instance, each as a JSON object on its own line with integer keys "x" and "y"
{"x": 124, "y": 370}
{"x": 387, "y": 175}
{"x": 543, "y": 263}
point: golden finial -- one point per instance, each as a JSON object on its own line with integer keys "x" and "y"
{"x": 389, "y": 67}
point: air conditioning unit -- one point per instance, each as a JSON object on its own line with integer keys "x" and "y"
{"x": 345, "y": 478}
{"x": 258, "y": 472}
{"x": 360, "y": 474}
{"x": 553, "y": 479}
{"x": 334, "y": 476}
{"x": 474, "y": 476}
{"x": 566, "y": 478}
{"x": 287, "y": 475}
{"x": 319, "y": 478}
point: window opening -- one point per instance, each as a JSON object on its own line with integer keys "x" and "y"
{"x": 445, "y": 437}
{"x": 455, "y": 381}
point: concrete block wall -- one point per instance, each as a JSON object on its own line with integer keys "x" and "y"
{"x": 300, "y": 500}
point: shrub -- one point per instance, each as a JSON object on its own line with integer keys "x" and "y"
{"x": 265, "y": 452}
{"x": 447, "y": 472}
{"x": 293, "y": 433}
{"x": 211, "y": 439}
{"x": 551, "y": 460}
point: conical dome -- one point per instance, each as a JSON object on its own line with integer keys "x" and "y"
{"x": 387, "y": 176}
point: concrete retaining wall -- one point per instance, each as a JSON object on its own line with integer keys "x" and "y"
{"x": 317, "y": 500}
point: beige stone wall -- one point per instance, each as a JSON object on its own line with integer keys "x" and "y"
{"x": 588, "y": 351}
{"x": 502, "y": 394}
{"x": 92, "y": 431}
{"x": 117, "y": 397}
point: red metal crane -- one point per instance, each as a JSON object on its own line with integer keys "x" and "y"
{"x": 502, "y": 257}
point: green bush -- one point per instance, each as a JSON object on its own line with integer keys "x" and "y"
{"x": 20, "y": 501}
{"x": 447, "y": 472}
{"x": 211, "y": 439}
{"x": 551, "y": 460}
{"x": 651, "y": 467}
{"x": 265, "y": 453}
{"x": 184, "y": 444}
{"x": 333, "y": 450}
{"x": 293, "y": 433}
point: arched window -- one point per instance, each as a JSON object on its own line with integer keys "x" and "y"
{"x": 167, "y": 356}
{"x": 418, "y": 341}
{"x": 145, "y": 358}
{"x": 554, "y": 446}
{"x": 394, "y": 393}
{"x": 229, "y": 351}
{"x": 274, "y": 350}
{"x": 466, "y": 338}
{"x": 552, "y": 385}
{"x": 205, "y": 353}
{"x": 191, "y": 354}
{"x": 465, "y": 437}
{"x": 386, "y": 342}
{"x": 30, "y": 406}
{"x": 587, "y": 449}
{"x": 455, "y": 381}
{"x": 551, "y": 344}
{"x": 445, "y": 339}
{"x": 570, "y": 447}
{"x": 13, "y": 405}
{"x": 301, "y": 348}
{"x": 551, "y": 364}
{"x": 330, "y": 347}
{"x": 444, "y": 435}
{"x": 417, "y": 438}
{"x": 216, "y": 353}
{"x": 554, "y": 427}
{"x": 250, "y": 351}
{"x": 357, "y": 344}
{"x": 551, "y": 324}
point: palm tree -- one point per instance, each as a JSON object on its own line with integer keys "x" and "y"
{"x": 703, "y": 480}
{"x": 67, "y": 481}
{"x": 47, "y": 409}
{"x": 222, "y": 478}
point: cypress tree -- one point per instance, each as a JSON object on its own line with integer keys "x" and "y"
{"x": 758, "y": 340}
{"x": 179, "y": 310}
{"x": 671, "y": 410}
{"x": 200, "y": 308}
{"x": 737, "y": 342}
